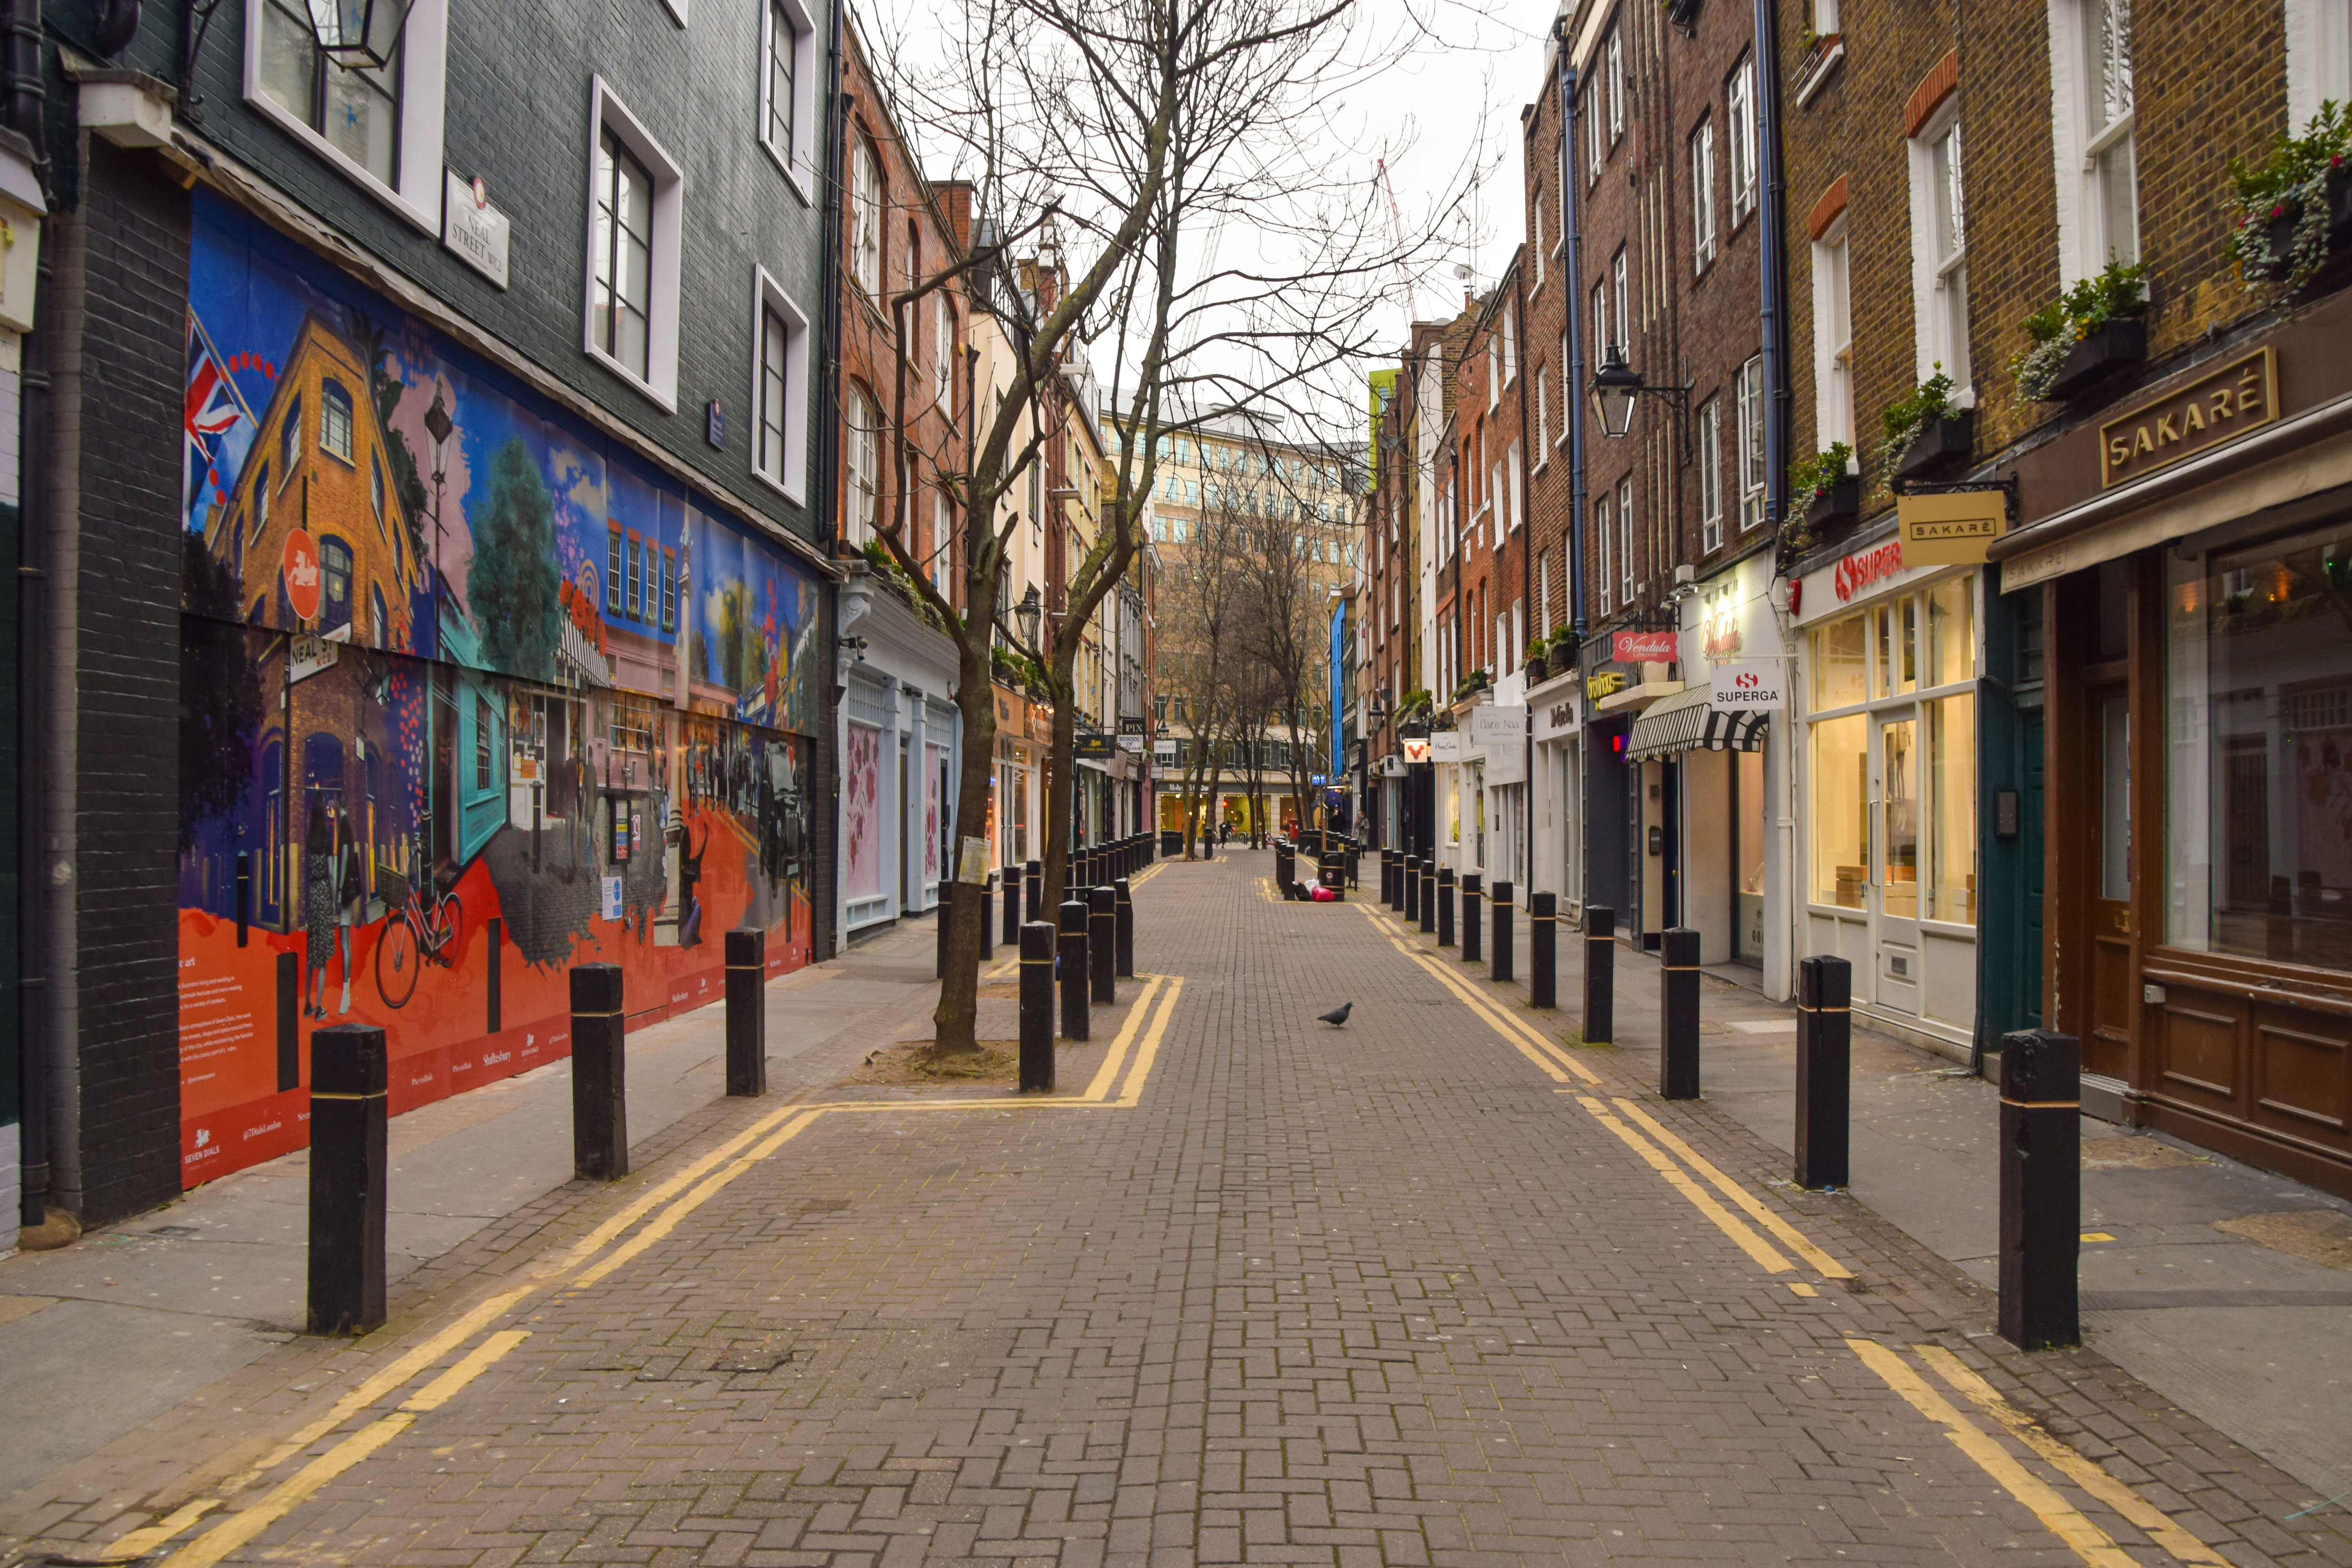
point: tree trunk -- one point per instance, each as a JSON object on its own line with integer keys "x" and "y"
{"x": 954, "y": 1018}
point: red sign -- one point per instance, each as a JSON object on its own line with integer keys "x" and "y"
{"x": 299, "y": 572}
{"x": 1645, "y": 648}
{"x": 1856, "y": 573}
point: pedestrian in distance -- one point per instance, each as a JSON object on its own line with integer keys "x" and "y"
{"x": 350, "y": 897}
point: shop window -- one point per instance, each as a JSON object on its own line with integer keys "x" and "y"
{"x": 1951, "y": 631}
{"x": 289, "y": 441}
{"x": 787, "y": 92}
{"x": 1895, "y": 632}
{"x": 1952, "y": 798}
{"x": 2259, "y": 843}
{"x": 2092, "y": 135}
{"x": 482, "y": 727}
{"x": 1838, "y": 664}
{"x": 1840, "y": 828}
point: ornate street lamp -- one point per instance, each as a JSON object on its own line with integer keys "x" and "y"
{"x": 359, "y": 33}
{"x": 1029, "y": 611}
{"x": 1616, "y": 385}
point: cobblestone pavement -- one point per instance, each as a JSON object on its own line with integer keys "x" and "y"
{"x": 1431, "y": 1288}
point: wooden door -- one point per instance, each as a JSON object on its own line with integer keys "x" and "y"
{"x": 2106, "y": 754}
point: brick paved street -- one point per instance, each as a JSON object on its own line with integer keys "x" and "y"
{"x": 1433, "y": 1288}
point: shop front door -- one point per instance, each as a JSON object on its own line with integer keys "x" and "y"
{"x": 2107, "y": 1046}
{"x": 1896, "y": 851}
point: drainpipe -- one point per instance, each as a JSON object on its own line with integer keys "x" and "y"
{"x": 1773, "y": 270}
{"x": 825, "y": 495}
{"x": 36, "y": 1053}
{"x": 1525, "y": 834}
{"x": 1572, "y": 401}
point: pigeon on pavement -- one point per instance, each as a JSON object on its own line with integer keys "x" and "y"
{"x": 1339, "y": 1015}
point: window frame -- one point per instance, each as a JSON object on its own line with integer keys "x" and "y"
{"x": 1739, "y": 133}
{"x": 607, "y": 111}
{"x": 1613, "y": 52}
{"x": 1752, "y": 413}
{"x": 1626, "y": 578}
{"x": 790, "y": 476}
{"x": 1833, "y": 280}
{"x": 1703, "y": 212}
{"x": 798, "y": 160}
{"x": 2078, "y": 142}
{"x": 1708, "y": 424}
{"x": 415, "y": 192}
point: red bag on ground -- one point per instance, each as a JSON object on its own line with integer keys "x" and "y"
{"x": 1322, "y": 895}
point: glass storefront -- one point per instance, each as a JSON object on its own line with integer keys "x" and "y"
{"x": 2259, "y": 746}
{"x": 1891, "y": 792}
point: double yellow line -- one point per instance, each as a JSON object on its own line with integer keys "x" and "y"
{"x": 1684, "y": 1169}
{"x": 1118, "y": 1084}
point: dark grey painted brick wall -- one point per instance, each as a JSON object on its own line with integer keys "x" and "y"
{"x": 127, "y": 774}
{"x": 518, "y": 103}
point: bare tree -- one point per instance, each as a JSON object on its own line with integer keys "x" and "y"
{"x": 1119, "y": 142}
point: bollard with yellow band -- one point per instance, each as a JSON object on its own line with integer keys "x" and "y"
{"x": 348, "y": 1115}
{"x": 1678, "y": 1013}
{"x": 1037, "y": 1008}
{"x": 1600, "y": 974}
{"x": 2041, "y": 1188}
{"x": 1499, "y": 963}
{"x": 1825, "y": 1070}
{"x": 600, "y": 1091}
{"x": 747, "y": 1011}
{"x": 1543, "y": 950}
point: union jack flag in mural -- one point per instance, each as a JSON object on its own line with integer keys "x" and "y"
{"x": 211, "y": 409}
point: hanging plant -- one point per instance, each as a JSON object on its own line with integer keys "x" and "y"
{"x": 2281, "y": 209}
{"x": 2116, "y": 292}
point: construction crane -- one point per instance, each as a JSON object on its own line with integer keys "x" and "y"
{"x": 1396, "y": 226}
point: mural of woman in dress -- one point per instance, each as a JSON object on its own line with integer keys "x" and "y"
{"x": 318, "y": 905}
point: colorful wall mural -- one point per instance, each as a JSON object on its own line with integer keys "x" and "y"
{"x": 467, "y": 698}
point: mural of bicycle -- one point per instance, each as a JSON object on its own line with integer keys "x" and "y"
{"x": 415, "y": 932}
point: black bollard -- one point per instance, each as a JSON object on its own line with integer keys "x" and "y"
{"x": 747, "y": 1011}
{"x": 289, "y": 1021}
{"x": 600, "y": 1097}
{"x": 1071, "y": 954}
{"x": 1446, "y": 907}
{"x": 1600, "y": 974}
{"x": 1678, "y": 1013}
{"x": 1499, "y": 966}
{"x": 243, "y": 893}
{"x": 1429, "y": 895}
{"x": 1032, "y": 878}
{"x": 1126, "y": 929}
{"x": 347, "y": 1111}
{"x": 1412, "y": 890}
{"x": 1102, "y": 943}
{"x": 1011, "y": 887}
{"x": 1284, "y": 872}
{"x": 2041, "y": 1188}
{"x": 1038, "y": 1008}
{"x": 1388, "y": 880}
{"x": 1825, "y": 1070}
{"x": 1354, "y": 857}
{"x": 987, "y": 898}
{"x": 1474, "y": 919}
{"x": 1543, "y": 950}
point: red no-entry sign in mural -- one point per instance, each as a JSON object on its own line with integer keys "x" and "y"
{"x": 300, "y": 572}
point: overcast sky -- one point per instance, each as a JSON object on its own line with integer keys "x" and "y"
{"x": 1461, "y": 95}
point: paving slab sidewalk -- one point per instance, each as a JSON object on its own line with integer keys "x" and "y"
{"x": 2246, "y": 1337}
{"x": 98, "y": 1338}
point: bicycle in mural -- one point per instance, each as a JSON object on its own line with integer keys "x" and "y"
{"x": 415, "y": 932}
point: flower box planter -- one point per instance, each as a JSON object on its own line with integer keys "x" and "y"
{"x": 1840, "y": 502}
{"x": 2116, "y": 346}
{"x": 2279, "y": 232}
{"x": 1939, "y": 444}
{"x": 1538, "y": 671}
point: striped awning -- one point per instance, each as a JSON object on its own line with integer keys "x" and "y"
{"x": 1686, "y": 722}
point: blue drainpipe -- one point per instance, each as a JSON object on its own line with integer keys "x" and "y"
{"x": 1573, "y": 395}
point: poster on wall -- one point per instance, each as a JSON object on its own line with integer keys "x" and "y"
{"x": 861, "y": 812}
{"x": 457, "y": 713}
